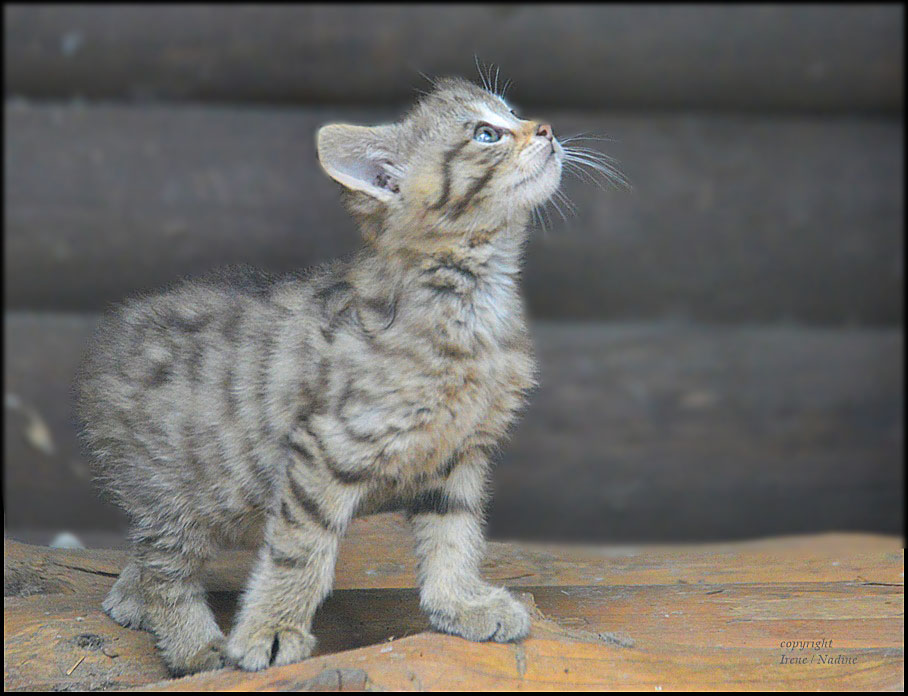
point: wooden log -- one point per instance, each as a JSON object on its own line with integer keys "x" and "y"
{"x": 664, "y": 616}
{"x": 730, "y": 218}
{"x": 66, "y": 641}
{"x": 34, "y": 570}
{"x": 659, "y": 56}
{"x": 638, "y": 432}
{"x": 376, "y": 554}
{"x": 443, "y": 663}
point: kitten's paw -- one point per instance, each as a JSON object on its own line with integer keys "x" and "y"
{"x": 269, "y": 645}
{"x": 123, "y": 603}
{"x": 211, "y": 656}
{"x": 495, "y": 616}
{"x": 126, "y": 610}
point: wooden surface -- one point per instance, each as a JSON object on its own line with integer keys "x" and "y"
{"x": 637, "y": 432}
{"x": 631, "y": 617}
{"x": 731, "y": 218}
{"x": 660, "y": 56}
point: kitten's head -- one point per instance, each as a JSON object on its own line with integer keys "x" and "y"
{"x": 460, "y": 160}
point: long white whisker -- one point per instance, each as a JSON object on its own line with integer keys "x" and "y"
{"x": 584, "y": 136}
{"x": 426, "y": 78}
{"x": 580, "y": 157}
{"x": 612, "y": 176}
{"x": 569, "y": 204}
{"x": 598, "y": 165}
{"x": 593, "y": 154}
{"x": 583, "y": 175}
{"x": 479, "y": 69}
{"x": 551, "y": 201}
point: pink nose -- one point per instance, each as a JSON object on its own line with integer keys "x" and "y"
{"x": 545, "y": 130}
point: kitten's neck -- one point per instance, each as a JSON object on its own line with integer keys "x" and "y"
{"x": 460, "y": 262}
{"x": 467, "y": 280}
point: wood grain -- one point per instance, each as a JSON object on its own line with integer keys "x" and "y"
{"x": 376, "y": 554}
{"x": 677, "y": 617}
{"x": 442, "y": 663}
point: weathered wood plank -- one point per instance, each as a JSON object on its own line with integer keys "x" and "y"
{"x": 35, "y": 570}
{"x": 638, "y": 432}
{"x": 663, "y": 619}
{"x": 66, "y": 642}
{"x": 701, "y": 433}
{"x": 731, "y": 218}
{"x": 429, "y": 662}
{"x": 764, "y": 57}
{"x": 376, "y": 555}
{"x": 444, "y": 663}
{"x": 116, "y": 658}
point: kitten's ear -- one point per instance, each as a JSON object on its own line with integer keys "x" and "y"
{"x": 360, "y": 158}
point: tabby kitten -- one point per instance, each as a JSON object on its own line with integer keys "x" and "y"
{"x": 299, "y": 401}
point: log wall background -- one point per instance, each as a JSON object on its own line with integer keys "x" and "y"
{"x": 721, "y": 346}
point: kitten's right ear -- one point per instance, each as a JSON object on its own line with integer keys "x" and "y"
{"x": 360, "y": 158}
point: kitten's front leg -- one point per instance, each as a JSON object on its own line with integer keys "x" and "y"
{"x": 447, "y": 522}
{"x": 293, "y": 574}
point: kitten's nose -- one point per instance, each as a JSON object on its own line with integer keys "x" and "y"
{"x": 546, "y": 131}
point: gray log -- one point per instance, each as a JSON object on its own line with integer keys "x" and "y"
{"x": 765, "y": 57}
{"x": 651, "y": 431}
{"x": 730, "y": 218}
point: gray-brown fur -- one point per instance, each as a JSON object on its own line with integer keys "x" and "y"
{"x": 290, "y": 404}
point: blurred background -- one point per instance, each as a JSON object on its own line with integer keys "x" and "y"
{"x": 721, "y": 346}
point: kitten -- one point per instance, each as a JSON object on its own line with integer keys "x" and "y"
{"x": 299, "y": 401}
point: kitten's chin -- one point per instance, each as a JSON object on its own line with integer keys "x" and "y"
{"x": 539, "y": 190}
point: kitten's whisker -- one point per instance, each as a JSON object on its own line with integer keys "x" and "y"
{"x": 606, "y": 179}
{"x": 479, "y": 69}
{"x": 584, "y": 163}
{"x": 594, "y": 154}
{"x": 538, "y": 212}
{"x": 553, "y": 201}
{"x": 600, "y": 166}
{"x": 548, "y": 220}
{"x": 584, "y": 159}
{"x": 585, "y": 136}
{"x": 582, "y": 173}
{"x": 427, "y": 78}
{"x": 569, "y": 204}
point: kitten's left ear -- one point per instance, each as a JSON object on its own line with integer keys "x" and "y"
{"x": 360, "y": 158}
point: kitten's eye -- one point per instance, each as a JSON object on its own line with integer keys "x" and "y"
{"x": 485, "y": 133}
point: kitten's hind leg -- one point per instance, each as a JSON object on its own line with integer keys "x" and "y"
{"x": 159, "y": 591}
{"x": 447, "y": 523}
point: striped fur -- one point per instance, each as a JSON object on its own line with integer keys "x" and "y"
{"x": 291, "y": 403}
